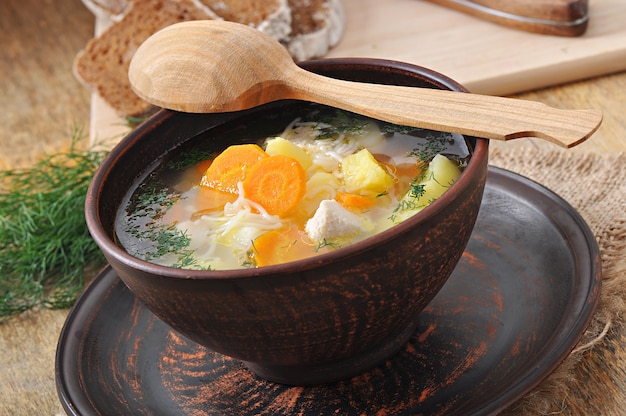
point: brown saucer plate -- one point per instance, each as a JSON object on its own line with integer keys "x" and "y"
{"x": 513, "y": 309}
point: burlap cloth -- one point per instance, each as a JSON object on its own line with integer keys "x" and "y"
{"x": 593, "y": 184}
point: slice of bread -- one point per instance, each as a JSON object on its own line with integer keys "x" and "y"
{"x": 103, "y": 64}
{"x": 316, "y": 27}
{"x": 307, "y": 28}
{"x": 270, "y": 16}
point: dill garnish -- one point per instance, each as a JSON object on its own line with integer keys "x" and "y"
{"x": 326, "y": 243}
{"x": 338, "y": 124}
{"x": 45, "y": 246}
{"x": 389, "y": 129}
{"x": 435, "y": 143}
{"x": 191, "y": 158}
{"x": 153, "y": 238}
{"x": 417, "y": 190}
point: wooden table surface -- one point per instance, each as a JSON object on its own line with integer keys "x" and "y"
{"x": 40, "y": 102}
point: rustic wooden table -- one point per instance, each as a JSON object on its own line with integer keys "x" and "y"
{"x": 40, "y": 101}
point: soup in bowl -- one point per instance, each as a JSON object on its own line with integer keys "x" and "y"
{"x": 328, "y": 180}
{"x": 300, "y": 239}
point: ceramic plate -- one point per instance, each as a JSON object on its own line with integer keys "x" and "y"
{"x": 513, "y": 309}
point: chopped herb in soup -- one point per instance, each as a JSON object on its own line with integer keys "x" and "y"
{"x": 330, "y": 179}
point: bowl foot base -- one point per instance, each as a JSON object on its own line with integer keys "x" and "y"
{"x": 305, "y": 375}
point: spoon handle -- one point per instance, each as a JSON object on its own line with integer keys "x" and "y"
{"x": 477, "y": 115}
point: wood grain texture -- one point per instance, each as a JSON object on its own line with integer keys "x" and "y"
{"x": 40, "y": 99}
{"x": 557, "y": 10}
{"x": 548, "y": 17}
{"x": 485, "y": 57}
{"x": 607, "y": 94}
{"x": 235, "y": 67}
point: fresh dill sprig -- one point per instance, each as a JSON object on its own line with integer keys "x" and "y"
{"x": 45, "y": 246}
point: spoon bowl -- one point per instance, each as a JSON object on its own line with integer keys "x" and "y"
{"x": 218, "y": 66}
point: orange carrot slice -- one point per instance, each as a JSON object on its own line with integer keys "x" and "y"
{"x": 209, "y": 200}
{"x": 230, "y": 167}
{"x": 354, "y": 201}
{"x": 280, "y": 246}
{"x": 277, "y": 183}
{"x": 201, "y": 168}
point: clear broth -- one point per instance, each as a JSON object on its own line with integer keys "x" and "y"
{"x": 163, "y": 219}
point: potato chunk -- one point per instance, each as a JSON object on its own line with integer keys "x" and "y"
{"x": 440, "y": 175}
{"x": 363, "y": 175}
{"x": 280, "y": 146}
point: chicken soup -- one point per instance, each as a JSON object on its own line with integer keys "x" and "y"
{"x": 329, "y": 179}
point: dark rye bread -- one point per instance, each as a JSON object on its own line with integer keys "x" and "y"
{"x": 307, "y": 28}
{"x": 103, "y": 64}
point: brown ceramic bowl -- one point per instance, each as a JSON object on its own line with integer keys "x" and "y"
{"x": 310, "y": 321}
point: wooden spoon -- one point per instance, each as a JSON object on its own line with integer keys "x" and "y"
{"x": 216, "y": 66}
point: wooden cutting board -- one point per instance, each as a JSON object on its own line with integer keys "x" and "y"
{"x": 483, "y": 56}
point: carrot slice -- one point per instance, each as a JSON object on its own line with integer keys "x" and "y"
{"x": 230, "y": 167}
{"x": 201, "y": 168}
{"x": 354, "y": 201}
{"x": 277, "y": 183}
{"x": 280, "y": 246}
{"x": 209, "y": 200}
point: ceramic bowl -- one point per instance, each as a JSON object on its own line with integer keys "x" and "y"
{"x": 310, "y": 321}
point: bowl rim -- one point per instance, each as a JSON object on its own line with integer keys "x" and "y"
{"x": 101, "y": 236}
